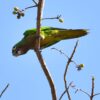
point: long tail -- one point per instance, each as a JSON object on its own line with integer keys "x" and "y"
{"x": 70, "y": 34}
{"x": 62, "y": 34}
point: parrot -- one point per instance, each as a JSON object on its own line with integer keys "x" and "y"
{"x": 49, "y": 36}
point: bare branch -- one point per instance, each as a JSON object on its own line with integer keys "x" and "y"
{"x": 78, "y": 66}
{"x": 4, "y": 90}
{"x": 61, "y": 52}
{"x": 96, "y": 94}
{"x": 28, "y": 7}
{"x": 70, "y": 85}
{"x": 76, "y": 89}
{"x": 92, "y": 90}
{"x": 66, "y": 70}
{"x": 84, "y": 92}
{"x": 39, "y": 15}
{"x": 47, "y": 74}
{"x": 65, "y": 73}
{"x": 91, "y": 96}
{"x": 57, "y": 17}
{"x": 62, "y": 95}
{"x": 35, "y": 2}
{"x": 38, "y": 53}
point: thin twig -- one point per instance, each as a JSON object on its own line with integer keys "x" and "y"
{"x": 36, "y": 5}
{"x": 61, "y": 52}
{"x": 65, "y": 90}
{"x": 66, "y": 70}
{"x": 4, "y": 90}
{"x": 96, "y": 94}
{"x": 38, "y": 53}
{"x": 70, "y": 85}
{"x": 28, "y": 8}
{"x": 92, "y": 90}
{"x": 76, "y": 89}
{"x": 35, "y": 2}
{"x": 47, "y": 74}
{"x": 62, "y": 95}
{"x": 58, "y": 17}
{"x": 91, "y": 96}
{"x": 84, "y": 92}
{"x": 65, "y": 73}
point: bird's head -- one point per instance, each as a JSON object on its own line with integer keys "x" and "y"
{"x": 19, "y": 49}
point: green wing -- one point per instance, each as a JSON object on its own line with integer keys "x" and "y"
{"x": 54, "y": 35}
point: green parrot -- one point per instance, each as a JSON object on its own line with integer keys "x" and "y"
{"x": 49, "y": 36}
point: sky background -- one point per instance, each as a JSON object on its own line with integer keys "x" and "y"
{"x": 24, "y": 73}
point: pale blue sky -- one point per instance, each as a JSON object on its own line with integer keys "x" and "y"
{"x": 24, "y": 73}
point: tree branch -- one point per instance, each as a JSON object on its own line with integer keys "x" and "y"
{"x": 4, "y": 90}
{"x": 92, "y": 90}
{"x": 96, "y": 94}
{"x": 47, "y": 74}
{"x": 84, "y": 92}
{"x": 38, "y": 53}
{"x": 28, "y": 7}
{"x": 65, "y": 73}
{"x": 62, "y": 95}
{"x": 91, "y": 96}
{"x": 34, "y": 2}
{"x": 57, "y": 17}
{"x": 70, "y": 85}
{"x": 66, "y": 70}
{"x": 39, "y": 15}
{"x": 61, "y": 52}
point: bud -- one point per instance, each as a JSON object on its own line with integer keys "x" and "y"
{"x": 93, "y": 78}
{"x": 61, "y": 20}
{"x": 22, "y": 14}
{"x": 14, "y": 12}
{"x": 16, "y": 8}
{"x": 80, "y": 66}
{"x": 18, "y": 16}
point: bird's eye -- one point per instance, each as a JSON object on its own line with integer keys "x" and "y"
{"x": 16, "y": 52}
{"x": 14, "y": 48}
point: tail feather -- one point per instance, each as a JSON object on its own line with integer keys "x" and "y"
{"x": 62, "y": 34}
{"x": 70, "y": 34}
